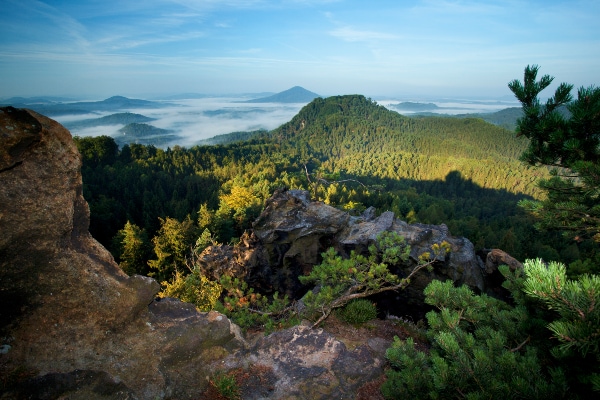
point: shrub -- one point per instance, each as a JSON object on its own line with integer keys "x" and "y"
{"x": 485, "y": 348}
{"x": 226, "y": 385}
{"x": 194, "y": 288}
{"x": 358, "y": 311}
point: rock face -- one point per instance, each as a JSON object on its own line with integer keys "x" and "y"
{"x": 73, "y": 325}
{"x": 67, "y": 311}
{"x": 289, "y": 236}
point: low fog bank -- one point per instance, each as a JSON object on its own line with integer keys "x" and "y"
{"x": 193, "y": 120}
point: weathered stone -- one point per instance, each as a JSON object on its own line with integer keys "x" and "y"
{"x": 65, "y": 305}
{"x": 312, "y": 364}
{"x": 494, "y": 277}
{"x": 292, "y": 232}
{"x": 76, "y": 385}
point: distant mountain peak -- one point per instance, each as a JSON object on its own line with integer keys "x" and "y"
{"x": 117, "y": 98}
{"x": 296, "y": 94}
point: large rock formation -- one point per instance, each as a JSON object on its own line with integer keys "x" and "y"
{"x": 65, "y": 305}
{"x": 73, "y": 325}
{"x": 289, "y": 236}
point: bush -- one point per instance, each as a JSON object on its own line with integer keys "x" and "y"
{"x": 226, "y": 386}
{"x": 485, "y": 348}
{"x": 194, "y": 288}
{"x": 358, "y": 311}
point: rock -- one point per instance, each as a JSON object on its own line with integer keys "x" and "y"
{"x": 311, "y": 364}
{"x": 497, "y": 257}
{"x": 77, "y": 385}
{"x": 289, "y": 236}
{"x": 494, "y": 277}
{"x": 67, "y": 311}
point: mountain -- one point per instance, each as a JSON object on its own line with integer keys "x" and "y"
{"x": 231, "y": 137}
{"x": 359, "y": 125}
{"x": 144, "y": 134}
{"x": 115, "y": 103}
{"x": 506, "y": 118}
{"x": 412, "y": 106}
{"x": 34, "y": 100}
{"x": 296, "y": 94}
{"x": 112, "y": 119}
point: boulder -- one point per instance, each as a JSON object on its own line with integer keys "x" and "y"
{"x": 311, "y": 364}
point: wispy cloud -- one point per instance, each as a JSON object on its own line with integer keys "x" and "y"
{"x": 121, "y": 43}
{"x": 350, "y": 34}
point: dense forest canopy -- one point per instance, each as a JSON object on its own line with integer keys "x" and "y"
{"x": 461, "y": 172}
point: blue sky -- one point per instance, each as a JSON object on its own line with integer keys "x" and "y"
{"x": 400, "y": 48}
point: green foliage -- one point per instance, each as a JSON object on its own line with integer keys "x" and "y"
{"x": 171, "y": 246}
{"x": 478, "y": 352}
{"x": 485, "y": 348}
{"x": 358, "y": 311}
{"x": 193, "y": 288}
{"x": 132, "y": 246}
{"x": 98, "y": 150}
{"x": 249, "y": 309}
{"x": 340, "y": 280}
{"x": 576, "y": 303}
{"x": 226, "y": 386}
{"x": 570, "y": 146}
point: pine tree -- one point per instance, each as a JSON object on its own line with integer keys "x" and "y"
{"x": 171, "y": 245}
{"x": 484, "y": 348}
{"x": 576, "y": 304}
{"x": 570, "y": 146}
{"x": 133, "y": 247}
{"x": 479, "y": 351}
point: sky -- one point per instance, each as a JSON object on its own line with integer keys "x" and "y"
{"x": 99, "y": 48}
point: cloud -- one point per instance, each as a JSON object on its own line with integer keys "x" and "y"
{"x": 349, "y": 34}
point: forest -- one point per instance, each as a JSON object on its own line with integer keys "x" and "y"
{"x": 465, "y": 173}
{"x": 533, "y": 194}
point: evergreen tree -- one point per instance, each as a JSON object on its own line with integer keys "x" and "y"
{"x": 133, "y": 247}
{"x": 576, "y": 322}
{"x": 171, "y": 246}
{"x": 570, "y": 146}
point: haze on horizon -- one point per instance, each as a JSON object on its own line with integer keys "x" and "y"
{"x": 381, "y": 48}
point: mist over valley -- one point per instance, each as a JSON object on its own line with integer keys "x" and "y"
{"x": 190, "y": 119}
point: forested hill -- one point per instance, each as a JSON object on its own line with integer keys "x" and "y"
{"x": 357, "y": 124}
{"x": 356, "y": 135}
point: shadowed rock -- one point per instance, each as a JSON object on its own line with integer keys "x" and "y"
{"x": 289, "y": 236}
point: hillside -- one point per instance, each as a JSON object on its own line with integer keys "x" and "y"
{"x": 230, "y": 138}
{"x": 296, "y": 94}
{"x": 112, "y": 119}
{"x": 360, "y": 137}
{"x": 115, "y": 103}
{"x": 144, "y": 134}
{"x": 461, "y": 172}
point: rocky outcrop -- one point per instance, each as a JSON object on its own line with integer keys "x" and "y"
{"x": 289, "y": 236}
{"x": 73, "y": 325}
{"x": 67, "y": 312}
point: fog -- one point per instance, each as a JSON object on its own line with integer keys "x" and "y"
{"x": 197, "y": 119}
{"x": 193, "y": 120}
{"x": 452, "y": 106}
